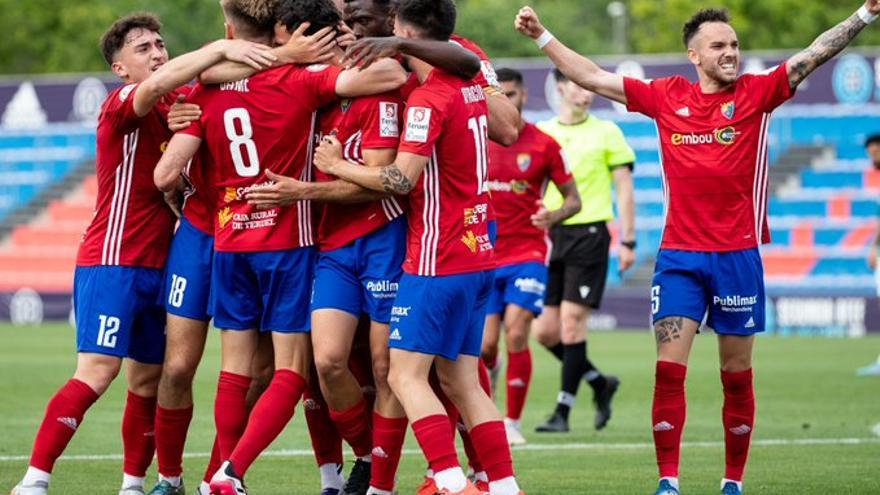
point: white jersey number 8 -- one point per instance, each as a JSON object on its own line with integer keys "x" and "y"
{"x": 251, "y": 167}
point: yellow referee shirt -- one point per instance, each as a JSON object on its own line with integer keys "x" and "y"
{"x": 592, "y": 149}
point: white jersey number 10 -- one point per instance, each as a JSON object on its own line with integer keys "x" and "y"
{"x": 480, "y": 128}
{"x": 243, "y": 140}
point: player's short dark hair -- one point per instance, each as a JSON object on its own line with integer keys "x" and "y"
{"x": 509, "y": 75}
{"x": 872, "y": 139}
{"x": 318, "y": 13}
{"x": 559, "y": 76}
{"x": 435, "y": 19}
{"x": 114, "y": 39}
{"x": 252, "y": 18}
{"x": 703, "y": 16}
{"x": 389, "y": 4}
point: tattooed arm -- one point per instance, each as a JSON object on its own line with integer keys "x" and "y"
{"x": 827, "y": 45}
{"x": 397, "y": 178}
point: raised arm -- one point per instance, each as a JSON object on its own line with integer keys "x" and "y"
{"x": 186, "y": 67}
{"x": 299, "y": 49}
{"x": 577, "y": 68}
{"x": 830, "y": 43}
{"x": 448, "y": 56}
{"x": 384, "y": 75}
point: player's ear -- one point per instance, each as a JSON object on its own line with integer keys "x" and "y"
{"x": 119, "y": 70}
{"x": 525, "y": 95}
{"x": 692, "y": 55}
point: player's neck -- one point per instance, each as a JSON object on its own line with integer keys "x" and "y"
{"x": 421, "y": 68}
{"x": 571, "y": 116}
{"x": 711, "y": 86}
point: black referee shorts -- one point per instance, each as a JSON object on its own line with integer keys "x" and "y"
{"x": 578, "y": 264}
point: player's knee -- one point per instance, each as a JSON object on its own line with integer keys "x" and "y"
{"x": 178, "y": 375}
{"x": 330, "y": 367}
{"x": 735, "y": 364}
{"x": 380, "y": 372}
{"x": 517, "y": 339}
{"x": 98, "y": 373}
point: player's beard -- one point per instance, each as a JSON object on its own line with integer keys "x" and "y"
{"x": 724, "y": 76}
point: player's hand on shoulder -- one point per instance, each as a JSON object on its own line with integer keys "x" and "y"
{"x": 527, "y": 23}
{"x": 328, "y": 154}
{"x": 181, "y": 114}
{"x": 364, "y": 52}
{"x": 302, "y": 49}
{"x": 283, "y": 191}
{"x": 255, "y": 55}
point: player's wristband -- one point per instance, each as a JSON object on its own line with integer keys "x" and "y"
{"x": 864, "y": 15}
{"x": 546, "y": 37}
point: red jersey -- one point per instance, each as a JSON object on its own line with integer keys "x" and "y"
{"x": 201, "y": 196}
{"x": 714, "y": 157}
{"x": 366, "y": 123}
{"x": 132, "y": 225}
{"x": 263, "y": 122}
{"x": 518, "y": 177}
{"x": 446, "y": 120}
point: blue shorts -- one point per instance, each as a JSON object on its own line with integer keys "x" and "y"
{"x": 267, "y": 291}
{"x": 727, "y": 288}
{"x": 362, "y": 277}
{"x": 188, "y": 273}
{"x": 119, "y": 312}
{"x": 441, "y": 316}
{"x": 523, "y": 284}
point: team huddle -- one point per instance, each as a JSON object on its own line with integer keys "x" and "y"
{"x": 349, "y": 194}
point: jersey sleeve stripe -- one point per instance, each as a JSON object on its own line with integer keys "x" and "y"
{"x": 759, "y": 186}
{"x": 110, "y": 253}
{"x": 304, "y": 207}
{"x": 126, "y": 196}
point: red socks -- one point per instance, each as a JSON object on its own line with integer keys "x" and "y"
{"x": 668, "y": 415}
{"x": 435, "y": 436}
{"x": 738, "y": 417}
{"x": 490, "y": 441}
{"x": 64, "y": 414}
{"x": 270, "y": 415}
{"x": 519, "y": 376}
{"x": 138, "y": 434}
{"x": 230, "y": 411}
{"x": 214, "y": 462}
{"x": 171, "y": 428}
{"x": 326, "y": 441}
{"x": 354, "y": 426}
{"x": 388, "y": 437}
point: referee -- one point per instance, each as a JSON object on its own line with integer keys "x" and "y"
{"x": 598, "y": 155}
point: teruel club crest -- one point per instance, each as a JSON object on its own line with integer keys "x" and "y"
{"x": 727, "y": 109}
{"x": 523, "y": 160}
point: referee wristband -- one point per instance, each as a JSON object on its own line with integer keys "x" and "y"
{"x": 863, "y": 14}
{"x": 546, "y": 37}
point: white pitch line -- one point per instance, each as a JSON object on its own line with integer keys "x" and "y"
{"x": 876, "y": 429}
{"x": 535, "y": 447}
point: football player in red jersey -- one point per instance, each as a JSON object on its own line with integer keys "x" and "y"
{"x": 440, "y": 306}
{"x": 125, "y": 248}
{"x": 518, "y": 176}
{"x": 713, "y": 138}
{"x": 255, "y": 115}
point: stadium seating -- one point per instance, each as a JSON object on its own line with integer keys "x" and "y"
{"x": 41, "y": 254}
{"x": 823, "y": 224}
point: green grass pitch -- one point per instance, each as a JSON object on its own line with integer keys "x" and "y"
{"x": 813, "y": 435}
